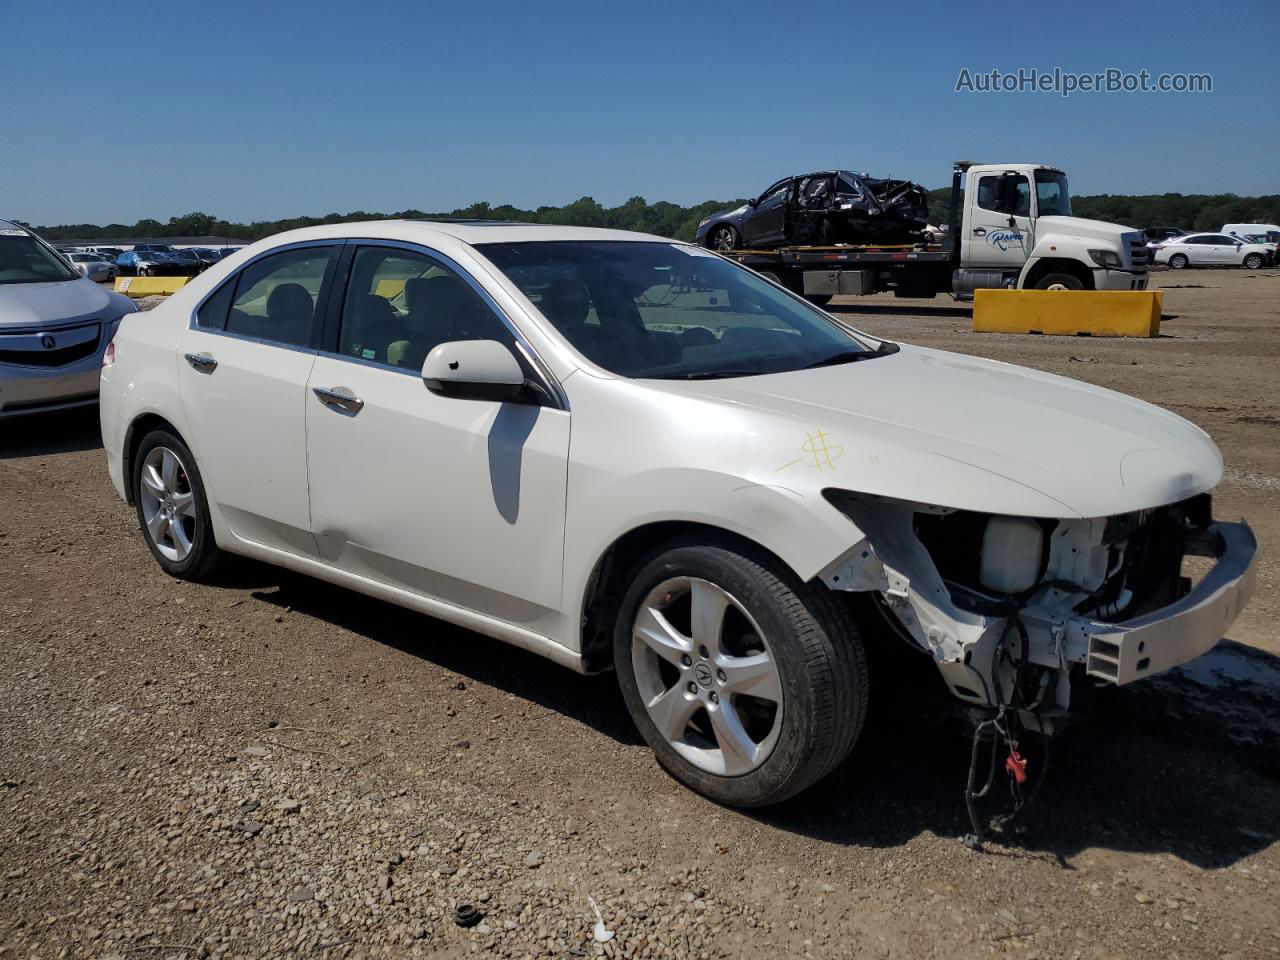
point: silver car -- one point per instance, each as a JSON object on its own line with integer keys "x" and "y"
{"x": 93, "y": 266}
{"x": 54, "y": 327}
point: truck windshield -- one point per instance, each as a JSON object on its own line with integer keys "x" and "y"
{"x": 24, "y": 259}
{"x": 1052, "y": 198}
{"x": 670, "y": 311}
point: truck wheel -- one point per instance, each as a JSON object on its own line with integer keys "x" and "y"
{"x": 1253, "y": 261}
{"x": 818, "y": 299}
{"x": 1059, "y": 281}
{"x": 1179, "y": 261}
{"x": 748, "y": 685}
{"x": 723, "y": 238}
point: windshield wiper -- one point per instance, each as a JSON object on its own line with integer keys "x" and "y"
{"x": 853, "y": 356}
{"x": 717, "y": 374}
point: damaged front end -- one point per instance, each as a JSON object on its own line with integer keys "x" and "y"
{"x": 1018, "y": 613}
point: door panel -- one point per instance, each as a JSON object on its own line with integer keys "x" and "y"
{"x": 244, "y": 398}
{"x": 457, "y": 500}
{"x": 766, "y": 224}
{"x": 990, "y": 242}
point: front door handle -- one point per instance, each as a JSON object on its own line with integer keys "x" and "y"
{"x": 340, "y": 399}
{"x": 979, "y": 231}
{"x": 202, "y": 362}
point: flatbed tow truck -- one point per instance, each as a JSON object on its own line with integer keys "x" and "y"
{"x": 1011, "y": 227}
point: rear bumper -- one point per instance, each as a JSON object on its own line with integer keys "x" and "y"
{"x": 1121, "y": 653}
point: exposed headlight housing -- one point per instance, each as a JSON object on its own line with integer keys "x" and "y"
{"x": 1108, "y": 259}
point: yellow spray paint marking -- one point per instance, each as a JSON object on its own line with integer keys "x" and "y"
{"x": 820, "y": 452}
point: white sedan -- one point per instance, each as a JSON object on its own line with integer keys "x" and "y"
{"x": 624, "y": 452}
{"x": 92, "y": 266}
{"x": 1214, "y": 250}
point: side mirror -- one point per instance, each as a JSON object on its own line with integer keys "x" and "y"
{"x": 473, "y": 370}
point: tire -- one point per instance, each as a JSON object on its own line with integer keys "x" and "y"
{"x": 1059, "y": 281}
{"x": 1179, "y": 261}
{"x": 722, "y": 237}
{"x": 818, "y": 299}
{"x": 1253, "y": 261}
{"x": 801, "y": 719}
{"x": 185, "y": 549}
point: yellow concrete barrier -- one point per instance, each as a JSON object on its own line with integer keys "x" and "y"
{"x": 149, "y": 286}
{"x": 1095, "y": 313}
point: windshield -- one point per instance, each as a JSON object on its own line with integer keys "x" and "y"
{"x": 670, "y": 311}
{"x": 1052, "y": 198}
{"x": 24, "y": 259}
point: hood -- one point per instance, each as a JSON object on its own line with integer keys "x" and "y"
{"x": 949, "y": 430}
{"x": 1079, "y": 227}
{"x": 48, "y": 304}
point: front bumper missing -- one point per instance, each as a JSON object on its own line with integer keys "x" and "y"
{"x": 1121, "y": 653}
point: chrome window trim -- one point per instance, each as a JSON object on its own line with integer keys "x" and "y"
{"x": 522, "y": 342}
{"x": 234, "y": 277}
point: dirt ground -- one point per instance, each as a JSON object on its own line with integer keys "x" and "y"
{"x": 267, "y": 766}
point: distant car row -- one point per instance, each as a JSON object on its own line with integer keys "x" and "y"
{"x": 1248, "y": 245}
{"x": 144, "y": 260}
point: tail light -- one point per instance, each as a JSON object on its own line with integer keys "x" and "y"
{"x": 109, "y": 355}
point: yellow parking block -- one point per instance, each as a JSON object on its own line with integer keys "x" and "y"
{"x": 1096, "y": 313}
{"x": 149, "y": 286}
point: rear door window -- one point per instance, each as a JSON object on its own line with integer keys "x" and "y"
{"x": 276, "y": 298}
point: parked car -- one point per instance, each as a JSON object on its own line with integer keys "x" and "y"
{"x": 146, "y": 263}
{"x": 748, "y": 489}
{"x": 152, "y": 248}
{"x": 1155, "y": 236}
{"x": 54, "y": 327}
{"x": 1213, "y": 250}
{"x": 189, "y": 262}
{"x": 109, "y": 253}
{"x": 92, "y": 266}
{"x": 1270, "y": 231}
{"x": 834, "y": 206}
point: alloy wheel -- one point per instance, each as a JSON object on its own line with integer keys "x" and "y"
{"x": 707, "y": 676}
{"x": 168, "y": 504}
{"x": 723, "y": 239}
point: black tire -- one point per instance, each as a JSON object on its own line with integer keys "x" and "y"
{"x": 722, "y": 237}
{"x": 205, "y": 555}
{"x": 1066, "y": 280}
{"x": 1179, "y": 261}
{"x": 814, "y": 643}
{"x": 1253, "y": 261}
{"x": 818, "y": 299}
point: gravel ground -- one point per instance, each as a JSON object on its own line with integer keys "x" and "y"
{"x": 269, "y": 767}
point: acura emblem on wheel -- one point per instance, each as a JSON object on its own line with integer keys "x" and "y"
{"x": 703, "y": 674}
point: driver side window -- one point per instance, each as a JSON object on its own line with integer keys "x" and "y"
{"x": 401, "y": 304}
{"x": 989, "y": 196}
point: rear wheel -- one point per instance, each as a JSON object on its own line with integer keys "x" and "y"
{"x": 1253, "y": 261}
{"x": 818, "y": 299}
{"x": 748, "y": 685}
{"x": 173, "y": 509}
{"x": 1179, "y": 261}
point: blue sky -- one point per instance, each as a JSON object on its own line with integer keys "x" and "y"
{"x": 259, "y": 110}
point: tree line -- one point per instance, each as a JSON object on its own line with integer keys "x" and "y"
{"x": 1189, "y": 211}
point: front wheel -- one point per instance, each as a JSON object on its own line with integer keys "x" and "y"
{"x": 173, "y": 508}
{"x": 748, "y": 685}
{"x": 1253, "y": 261}
{"x": 723, "y": 238}
{"x": 1059, "y": 281}
{"x": 818, "y": 299}
{"x": 1179, "y": 262}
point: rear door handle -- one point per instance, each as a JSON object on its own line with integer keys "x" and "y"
{"x": 340, "y": 399}
{"x": 202, "y": 362}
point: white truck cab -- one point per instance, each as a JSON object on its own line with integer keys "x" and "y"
{"x": 1016, "y": 230}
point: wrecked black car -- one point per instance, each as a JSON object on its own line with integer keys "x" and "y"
{"x": 833, "y": 206}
